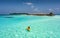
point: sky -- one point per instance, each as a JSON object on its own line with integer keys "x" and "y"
{"x": 29, "y": 6}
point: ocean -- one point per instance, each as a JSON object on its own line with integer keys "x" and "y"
{"x": 14, "y": 26}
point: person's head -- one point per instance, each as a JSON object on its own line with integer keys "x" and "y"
{"x": 28, "y": 26}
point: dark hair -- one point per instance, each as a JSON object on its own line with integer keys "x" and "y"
{"x": 28, "y": 26}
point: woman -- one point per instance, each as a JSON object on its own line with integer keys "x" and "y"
{"x": 28, "y": 28}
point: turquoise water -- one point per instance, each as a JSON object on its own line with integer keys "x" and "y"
{"x": 41, "y": 26}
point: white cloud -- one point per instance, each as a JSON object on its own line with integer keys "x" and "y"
{"x": 28, "y": 3}
{"x": 50, "y": 9}
{"x": 36, "y": 10}
{"x": 32, "y": 6}
{"x": 54, "y": 9}
{"x": 57, "y": 8}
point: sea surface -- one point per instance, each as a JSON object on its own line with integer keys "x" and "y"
{"x": 14, "y": 26}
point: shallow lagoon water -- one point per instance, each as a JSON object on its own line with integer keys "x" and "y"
{"x": 41, "y": 26}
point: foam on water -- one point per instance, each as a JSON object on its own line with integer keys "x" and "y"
{"x": 41, "y": 27}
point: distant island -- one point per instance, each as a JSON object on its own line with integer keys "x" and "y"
{"x": 50, "y": 14}
{"x": 18, "y": 14}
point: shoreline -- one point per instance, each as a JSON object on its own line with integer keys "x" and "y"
{"x": 50, "y": 14}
